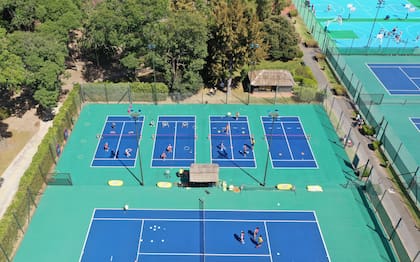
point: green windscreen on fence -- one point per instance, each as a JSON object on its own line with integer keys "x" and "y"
{"x": 343, "y": 34}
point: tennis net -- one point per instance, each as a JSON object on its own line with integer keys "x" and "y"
{"x": 267, "y": 136}
{"x": 177, "y": 136}
{"x": 202, "y": 229}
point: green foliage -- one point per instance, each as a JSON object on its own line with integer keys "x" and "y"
{"x": 4, "y": 113}
{"x": 303, "y": 71}
{"x": 293, "y": 13}
{"x": 376, "y": 144}
{"x": 46, "y": 98}
{"x": 339, "y": 90}
{"x": 281, "y": 37}
{"x": 146, "y": 89}
{"x": 33, "y": 179}
{"x": 186, "y": 50}
{"x": 311, "y": 43}
{"x": 367, "y": 130}
{"x": 12, "y": 71}
{"x": 263, "y": 9}
{"x": 235, "y": 40}
{"x": 306, "y": 94}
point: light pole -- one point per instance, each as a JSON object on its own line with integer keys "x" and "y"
{"x": 410, "y": 9}
{"x": 253, "y": 62}
{"x": 135, "y": 116}
{"x": 380, "y": 4}
{"x": 154, "y": 97}
{"x": 351, "y": 8}
{"x": 274, "y": 115}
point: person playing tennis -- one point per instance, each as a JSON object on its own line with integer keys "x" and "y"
{"x": 259, "y": 241}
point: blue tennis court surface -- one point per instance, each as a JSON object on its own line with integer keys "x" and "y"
{"x": 287, "y": 142}
{"x": 416, "y": 122}
{"x": 197, "y": 235}
{"x": 117, "y": 146}
{"x": 398, "y": 79}
{"x": 174, "y": 141}
{"x": 231, "y": 142}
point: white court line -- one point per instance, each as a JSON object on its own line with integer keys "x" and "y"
{"x": 207, "y": 220}
{"x": 408, "y": 77}
{"x": 268, "y": 241}
{"x": 287, "y": 141}
{"x": 205, "y": 254}
{"x": 140, "y": 238}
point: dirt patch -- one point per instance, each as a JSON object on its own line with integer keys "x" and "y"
{"x": 22, "y": 129}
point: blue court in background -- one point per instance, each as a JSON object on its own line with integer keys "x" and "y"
{"x": 398, "y": 79}
{"x": 416, "y": 122}
{"x": 287, "y": 142}
{"x": 234, "y": 134}
{"x": 179, "y": 133}
{"x": 203, "y": 235}
{"x": 121, "y": 134}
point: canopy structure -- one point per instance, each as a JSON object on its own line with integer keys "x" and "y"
{"x": 204, "y": 173}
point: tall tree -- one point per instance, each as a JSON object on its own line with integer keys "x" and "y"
{"x": 12, "y": 70}
{"x": 263, "y": 9}
{"x": 234, "y": 33}
{"x": 282, "y": 38}
{"x": 115, "y": 29}
{"x": 186, "y": 50}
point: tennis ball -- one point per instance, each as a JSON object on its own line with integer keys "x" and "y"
{"x": 125, "y": 207}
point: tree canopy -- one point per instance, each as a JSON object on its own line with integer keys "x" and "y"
{"x": 185, "y": 44}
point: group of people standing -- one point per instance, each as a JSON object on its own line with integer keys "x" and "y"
{"x": 257, "y": 237}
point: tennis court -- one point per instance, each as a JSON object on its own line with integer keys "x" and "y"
{"x": 203, "y": 235}
{"x": 230, "y": 140}
{"x": 287, "y": 142}
{"x": 66, "y": 226}
{"x": 416, "y": 122}
{"x": 398, "y": 79}
{"x": 174, "y": 141}
{"x": 365, "y": 9}
{"x": 118, "y": 142}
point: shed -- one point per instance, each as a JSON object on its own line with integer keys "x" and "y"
{"x": 271, "y": 80}
{"x": 204, "y": 174}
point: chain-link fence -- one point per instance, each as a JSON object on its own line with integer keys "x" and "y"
{"x": 17, "y": 217}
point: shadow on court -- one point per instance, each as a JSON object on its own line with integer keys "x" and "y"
{"x": 244, "y": 171}
{"x": 129, "y": 171}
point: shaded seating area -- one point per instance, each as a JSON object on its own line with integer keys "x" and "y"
{"x": 199, "y": 175}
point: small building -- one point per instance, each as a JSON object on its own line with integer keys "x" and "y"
{"x": 271, "y": 80}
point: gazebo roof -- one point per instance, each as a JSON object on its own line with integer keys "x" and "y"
{"x": 271, "y": 78}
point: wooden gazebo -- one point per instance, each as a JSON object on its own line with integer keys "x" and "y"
{"x": 271, "y": 80}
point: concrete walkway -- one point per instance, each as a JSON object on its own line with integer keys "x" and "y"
{"x": 18, "y": 167}
{"x": 393, "y": 202}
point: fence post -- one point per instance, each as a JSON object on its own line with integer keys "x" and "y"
{"x": 5, "y": 254}
{"x": 394, "y": 229}
{"x": 339, "y": 121}
{"x": 332, "y": 104}
{"x": 17, "y": 222}
{"x": 346, "y": 140}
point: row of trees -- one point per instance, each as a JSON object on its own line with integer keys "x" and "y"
{"x": 185, "y": 43}
{"x": 33, "y": 39}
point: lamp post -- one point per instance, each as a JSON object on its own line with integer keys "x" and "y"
{"x": 410, "y": 9}
{"x": 380, "y": 4}
{"x": 135, "y": 116}
{"x": 274, "y": 115}
{"x": 154, "y": 97}
{"x": 253, "y": 46}
{"x": 351, "y": 8}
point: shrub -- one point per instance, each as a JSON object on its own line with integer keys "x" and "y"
{"x": 367, "y": 130}
{"x": 4, "y": 113}
{"x": 293, "y": 13}
{"x": 311, "y": 43}
{"x": 339, "y": 90}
